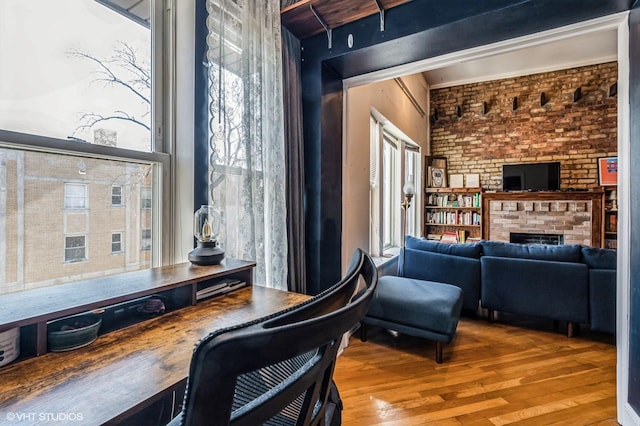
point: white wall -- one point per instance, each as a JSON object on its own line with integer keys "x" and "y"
{"x": 182, "y": 146}
{"x": 390, "y": 101}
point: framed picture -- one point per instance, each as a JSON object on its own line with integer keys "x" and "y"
{"x": 435, "y": 172}
{"x": 608, "y": 171}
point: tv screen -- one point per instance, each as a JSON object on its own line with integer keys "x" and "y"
{"x": 531, "y": 177}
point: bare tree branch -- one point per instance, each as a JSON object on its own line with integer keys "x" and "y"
{"x": 125, "y": 70}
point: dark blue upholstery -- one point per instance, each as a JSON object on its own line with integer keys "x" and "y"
{"x": 560, "y": 253}
{"x": 602, "y": 300}
{"x": 472, "y": 250}
{"x": 602, "y": 287}
{"x": 542, "y": 288}
{"x": 597, "y": 258}
{"x": 460, "y": 271}
{"x": 415, "y": 307}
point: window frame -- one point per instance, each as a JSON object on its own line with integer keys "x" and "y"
{"x": 119, "y": 204}
{"x": 162, "y": 135}
{"x": 67, "y": 196}
{"x": 67, "y": 249}
{"x": 384, "y": 132}
{"x": 121, "y": 250}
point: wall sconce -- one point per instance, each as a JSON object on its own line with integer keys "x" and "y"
{"x": 206, "y": 228}
{"x": 409, "y": 191}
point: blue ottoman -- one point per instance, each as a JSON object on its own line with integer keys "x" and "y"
{"x": 426, "y": 309}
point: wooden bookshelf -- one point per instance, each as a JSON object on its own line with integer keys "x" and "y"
{"x": 610, "y": 218}
{"x": 453, "y": 214}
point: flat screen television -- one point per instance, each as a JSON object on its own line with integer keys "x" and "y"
{"x": 531, "y": 177}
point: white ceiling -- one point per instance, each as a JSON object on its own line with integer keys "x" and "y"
{"x": 581, "y": 50}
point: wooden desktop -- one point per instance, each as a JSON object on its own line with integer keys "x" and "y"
{"x": 139, "y": 370}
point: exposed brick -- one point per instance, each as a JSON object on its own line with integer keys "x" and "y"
{"x": 575, "y": 134}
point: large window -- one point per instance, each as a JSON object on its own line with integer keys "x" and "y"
{"x": 81, "y": 130}
{"x": 75, "y": 196}
{"x": 395, "y": 160}
{"x": 75, "y": 248}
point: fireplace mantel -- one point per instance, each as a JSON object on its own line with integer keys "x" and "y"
{"x": 578, "y": 214}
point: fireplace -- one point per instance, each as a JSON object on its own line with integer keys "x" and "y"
{"x": 533, "y": 238}
{"x": 575, "y": 215}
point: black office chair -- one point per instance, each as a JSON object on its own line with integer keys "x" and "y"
{"x": 278, "y": 370}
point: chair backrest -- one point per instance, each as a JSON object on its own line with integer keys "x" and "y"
{"x": 278, "y": 370}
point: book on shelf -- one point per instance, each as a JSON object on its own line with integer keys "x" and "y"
{"x": 223, "y": 286}
{"x": 434, "y": 237}
{"x": 449, "y": 237}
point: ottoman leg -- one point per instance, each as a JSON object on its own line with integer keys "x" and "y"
{"x": 439, "y": 352}
{"x": 363, "y": 332}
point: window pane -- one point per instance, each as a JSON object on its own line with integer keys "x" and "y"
{"x": 389, "y": 193}
{"x": 74, "y": 250}
{"x": 75, "y": 196}
{"x": 146, "y": 239}
{"x": 116, "y": 196}
{"x": 146, "y": 198}
{"x": 116, "y": 243}
{"x": 78, "y": 70}
{"x": 31, "y": 207}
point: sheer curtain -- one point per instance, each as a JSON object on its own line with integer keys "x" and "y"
{"x": 246, "y": 145}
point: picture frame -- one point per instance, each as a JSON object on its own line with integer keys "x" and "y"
{"x": 608, "y": 171}
{"x": 435, "y": 172}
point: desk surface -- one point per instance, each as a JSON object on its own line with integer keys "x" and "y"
{"x": 125, "y": 370}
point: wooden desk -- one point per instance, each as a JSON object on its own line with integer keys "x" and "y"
{"x": 126, "y": 370}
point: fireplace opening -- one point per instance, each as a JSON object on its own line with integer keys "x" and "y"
{"x": 530, "y": 238}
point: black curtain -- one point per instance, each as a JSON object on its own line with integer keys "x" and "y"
{"x": 294, "y": 152}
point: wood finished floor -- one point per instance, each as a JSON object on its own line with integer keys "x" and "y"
{"x": 508, "y": 372}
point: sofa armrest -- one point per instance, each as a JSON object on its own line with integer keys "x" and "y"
{"x": 542, "y": 288}
{"x": 602, "y": 300}
{"x": 463, "y": 272}
{"x": 388, "y": 267}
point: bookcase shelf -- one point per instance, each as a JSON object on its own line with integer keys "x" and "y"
{"x": 453, "y": 214}
{"x": 610, "y": 218}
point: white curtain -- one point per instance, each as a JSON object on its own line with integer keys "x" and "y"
{"x": 246, "y": 146}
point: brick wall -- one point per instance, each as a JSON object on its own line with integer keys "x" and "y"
{"x": 574, "y": 133}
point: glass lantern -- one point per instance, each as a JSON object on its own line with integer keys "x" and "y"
{"x": 206, "y": 229}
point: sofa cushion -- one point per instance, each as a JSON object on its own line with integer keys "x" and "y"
{"x": 418, "y": 304}
{"x": 472, "y": 250}
{"x": 559, "y": 253}
{"x": 597, "y": 258}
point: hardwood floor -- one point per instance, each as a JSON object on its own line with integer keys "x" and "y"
{"x": 513, "y": 371}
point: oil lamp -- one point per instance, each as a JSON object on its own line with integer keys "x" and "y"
{"x": 206, "y": 228}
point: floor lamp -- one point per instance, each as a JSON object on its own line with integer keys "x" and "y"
{"x": 409, "y": 191}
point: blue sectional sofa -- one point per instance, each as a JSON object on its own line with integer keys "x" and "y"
{"x": 568, "y": 283}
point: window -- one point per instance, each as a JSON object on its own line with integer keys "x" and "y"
{"x": 116, "y": 196}
{"x": 146, "y": 239}
{"x": 116, "y": 242}
{"x": 398, "y": 160}
{"x": 75, "y": 249}
{"x": 66, "y": 134}
{"x": 146, "y": 198}
{"x": 75, "y": 196}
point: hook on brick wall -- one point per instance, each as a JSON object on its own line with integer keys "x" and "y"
{"x": 543, "y": 99}
{"x": 485, "y": 108}
{"x": 613, "y": 90}
{"x": 458, "y": 111}
{"x": 434, "y": 117}
{"x": 514, "y": 104}
{"x": 577, "y": 95}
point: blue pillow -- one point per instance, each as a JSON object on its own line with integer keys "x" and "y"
{"x": 560, "y": 253}
{"x": 597, "y": 258}
{"x": 472, "y": 250}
